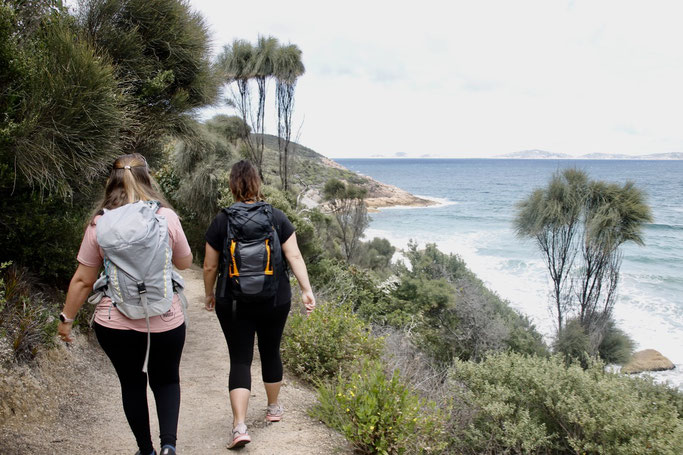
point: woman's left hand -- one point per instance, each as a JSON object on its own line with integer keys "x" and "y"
{"x": 309, "y": 301}
{"x": 64, "y": 331}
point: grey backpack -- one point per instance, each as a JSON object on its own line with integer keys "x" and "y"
{"x": 138, "y": 273}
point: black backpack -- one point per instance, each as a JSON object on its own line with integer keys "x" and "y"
{"x": 253, "y": 255}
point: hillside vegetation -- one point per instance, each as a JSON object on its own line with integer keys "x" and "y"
{"x": 414, "y": 357}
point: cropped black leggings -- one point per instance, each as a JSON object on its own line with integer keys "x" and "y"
{"x": 264, "y": 320}
{"x": 126, "y": 350}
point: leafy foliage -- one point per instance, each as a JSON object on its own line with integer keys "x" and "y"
{"x": 40, "y": 233}
{"x": 376, "y": 254}
{"x": 529, "y": 404}
{"x": 452, "y": 312}
{"x": 379, "y": 414}
{"x": 26, "y": 316}
{"x": 313, "y": 347}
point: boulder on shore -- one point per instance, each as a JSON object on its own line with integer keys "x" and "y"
{"x": 647, "y": 360}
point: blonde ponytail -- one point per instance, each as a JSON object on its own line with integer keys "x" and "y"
{"x": 129, "y": 181}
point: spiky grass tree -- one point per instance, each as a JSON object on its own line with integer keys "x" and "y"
{"x": 61, "y": 110}
{"x": 579, "y": 225}
{"x": 60, "y": 122}
{"x": 288, "y": 68}
{"x": 552, "y": 218}
{"x": 614, "y": 214}
{"x": 121, "y": 77}
{"x": 161, "y": 52}
{"x": 263, "y": 67}
{"x": 235, "y": 65}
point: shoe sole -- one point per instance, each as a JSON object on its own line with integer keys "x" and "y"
{"x": 239, "y": 441}
{"x": 271, "y": 418}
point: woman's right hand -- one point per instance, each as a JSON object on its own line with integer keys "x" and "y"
{"x": 64, "y": 331}
{"x": 210, "y": 302}
{"x": 309, "y": 300}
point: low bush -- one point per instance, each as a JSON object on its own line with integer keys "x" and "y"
{"x": 41, "y": 232}
{"x": 349, "y": 285}
{"x": 529, "y": 404}
{"x": 453, "y": 311}
{"x": 378, "y": 414}
{"x": 328, "y": 342}
{"x": 375, "y": 255}
{"x": 573, "y": 343}
{"x": 27, "y": 317}
{"x": 616, "y": 346}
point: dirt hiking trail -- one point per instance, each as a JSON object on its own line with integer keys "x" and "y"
{"x": 71, "y": 403}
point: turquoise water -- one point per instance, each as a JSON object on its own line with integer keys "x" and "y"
{"x": 477, "y": 199}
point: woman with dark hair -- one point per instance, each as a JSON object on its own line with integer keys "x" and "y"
{"x": 126, "y": 341}
{"x": 242, "y": 317}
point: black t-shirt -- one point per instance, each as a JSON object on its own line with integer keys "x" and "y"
{"x": 218, "y": 231}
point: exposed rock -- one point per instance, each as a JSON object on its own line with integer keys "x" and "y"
{"x": 383, "y": 195}
{"x": 379, "y": 195}
{"x": 647, "y": 360}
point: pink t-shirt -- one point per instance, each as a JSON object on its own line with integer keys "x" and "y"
{"x": 107, "y": 314}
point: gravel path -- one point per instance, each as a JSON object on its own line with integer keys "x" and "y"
{"x": 71, "y": 402}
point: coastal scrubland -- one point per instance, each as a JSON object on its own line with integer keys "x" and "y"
{"x": 417, "y": 356}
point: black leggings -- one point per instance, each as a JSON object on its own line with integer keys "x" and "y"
{"x": 126, "y": 350}
{"x": 268, "y": 323}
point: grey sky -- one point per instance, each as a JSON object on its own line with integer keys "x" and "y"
{"x": 476, "y": 78}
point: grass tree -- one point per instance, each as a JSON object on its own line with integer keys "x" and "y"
{"x": 262, "y": 68}
{"x": 614, "y": 214}
{"x": 579, "y": 226}
{"x": 236, "y": 69}
{"x": 288, "y": 68}
{"x": 77, "y": 90}
{"x": 161, "y": 53}
{"x": 551, "y": 216}
{"x": 59, "y": 123}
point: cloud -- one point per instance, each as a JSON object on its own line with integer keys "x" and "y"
{"x": 477, "y": 78}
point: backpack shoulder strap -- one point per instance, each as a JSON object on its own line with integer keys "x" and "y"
{"x": 268, "y": 209}
{"x": 226, "y": 253}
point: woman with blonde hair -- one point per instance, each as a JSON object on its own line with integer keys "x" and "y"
{"x": 129, "y": 342}
{"x": 242, "y": 317}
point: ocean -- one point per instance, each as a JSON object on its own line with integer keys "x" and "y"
{"x": 474, "y": 219}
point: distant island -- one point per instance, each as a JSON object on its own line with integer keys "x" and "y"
{"x": 545, "y": 155}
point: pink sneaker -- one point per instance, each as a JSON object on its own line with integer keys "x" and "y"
{"x": 240, "y": 437}
{"x": 274, "y": 413}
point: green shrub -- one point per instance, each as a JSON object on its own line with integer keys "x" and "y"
{"x": 26, "y": 316}
{"x": 375, "y": 255}
{"x": 527, "y": 404}
{"x": 309, "y": 243}
{"x": 378, "y": 414}
{"x": 327, "y": 342}
{"x": 573, "y": 343}
{"x": 348, "y": 284}
{"x": 42, "y": 233}
{"x": 616, "y": 346}
{"x": 453, "y": 311}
